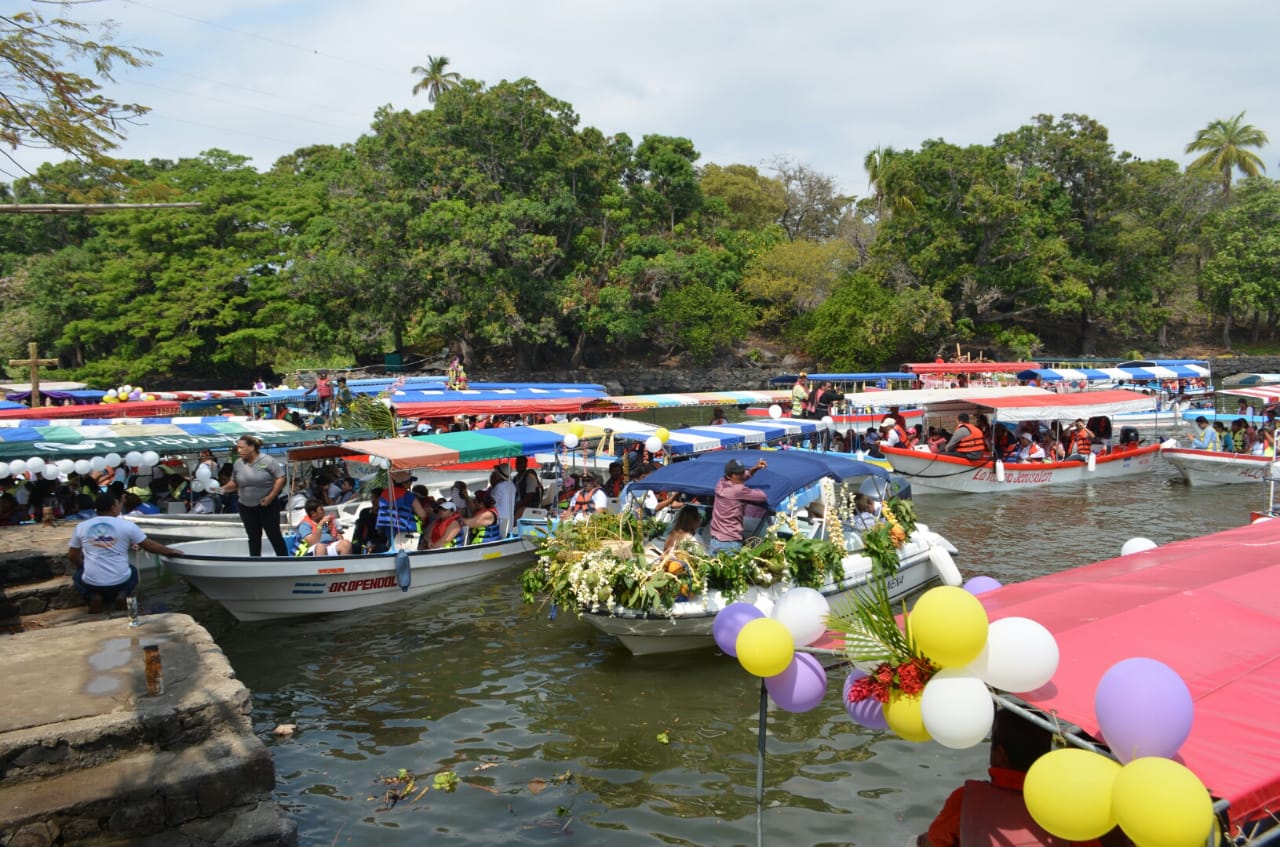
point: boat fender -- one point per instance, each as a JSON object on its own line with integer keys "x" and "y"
{"x": 1092, "y": 462}
{"x": 1168, "y": 444}
{"x": 404, "y": 574}
{"x": 999, "y": 471}
{"x": 945, "y": 565}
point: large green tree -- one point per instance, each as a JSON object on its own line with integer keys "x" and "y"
{"x": 1242, "y": 277}
{"x": 1224, "y": 145}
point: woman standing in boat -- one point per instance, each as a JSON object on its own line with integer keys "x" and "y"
{"x": 258, "y": 479}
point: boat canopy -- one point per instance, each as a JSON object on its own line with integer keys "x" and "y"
{"x": 1206, "y": 608}
{"x": 1080, "y": 404}
{"x": 10, "y": 404}
{"x": 426, "y": 403}
{"x": 925, "y": 396}
{"x": 1251, "y": 380}
{"x": 787, "y": 472}
{"x": 887, "y": 376}
{"x": 637, "y": 402}
{"x": 1173, "y": 371}
{"x": 132, "y": 409}
{"x": 1268, "y": 395}
{"x": 967, "y": 367}
{"x": 448, "y": 448}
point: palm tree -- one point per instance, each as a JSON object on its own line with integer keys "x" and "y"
{"x": 1222, "y": 147}
{"x": 876, "y": 164}
{"x": 434, "y": 79}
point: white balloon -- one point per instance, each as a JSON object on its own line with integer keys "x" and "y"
{"x": 50, "y": 471}
{"x": 97, "y": 464}
{"x": 66, "y": 467}
{"x": 112, "y": 459}
{"x": 197, "y": 485}
{"x": 570, "y": 441}
{"x": 957, "y": 708}
{"x": 1137, "y": 545}
{"x": 212, "y": 487}
{"x": 18, "y": 467}
{"x": 775, "y": 411}
{"x": 203, "y": 472}
{"x": 83, "y": 467}
{"x": 1020, "y": 656}
{"x": 36, "y": 465}
{"x": 110, "y": 392}
{"x": 828, "y": 420}
{"x": 133, "y": 458}
{"x": 653, "y": 444}
{"x": 803, "y": 611}
{"x": 4, "y": 470}
{"x": 151, "y": 458}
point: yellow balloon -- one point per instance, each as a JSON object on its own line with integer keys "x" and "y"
{"x": 902, "y": 714}
{"x": 949, "y": 626}
{"x": 577, "y": 429}
{"x": 1068, "y": 792}
{"x": 765, "y": 647}
{"x": 661, "y": 434}
{"x": 1159, "y": 803}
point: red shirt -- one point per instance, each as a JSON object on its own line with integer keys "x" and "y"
{"x": 731, "y": 501}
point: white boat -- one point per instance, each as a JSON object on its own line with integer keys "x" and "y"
{"x": 935, "y": 473}
{"x": 1214, "y": 467}
{"x": 791, "y": 480}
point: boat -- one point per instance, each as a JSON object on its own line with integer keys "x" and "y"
{"x": 935, "y": 473}
{"x": 266, "y": 587}
{"x": 1215, "y": 467}
{"x": 791, "y": 480}
{"x": 1151, "y": 376}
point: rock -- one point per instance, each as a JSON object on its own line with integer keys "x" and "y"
{"x": 42, "y": 834}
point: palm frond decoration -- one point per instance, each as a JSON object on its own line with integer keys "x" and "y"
{"x": 368, "y": 412}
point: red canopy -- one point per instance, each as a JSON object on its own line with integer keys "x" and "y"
{"x": 1206, "y": 608}
{"x": 968, "y": 367}
{"x": 140, "y": 409}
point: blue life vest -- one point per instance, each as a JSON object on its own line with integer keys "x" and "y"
{"x": 491, "y": 532}
{"x": 398, "y": 514}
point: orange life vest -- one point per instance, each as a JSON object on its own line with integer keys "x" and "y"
{"x": 974, "y": 442}
{"x": 903, "y": 439}
{"x": 582, "y": 504}
{"x": 438, "y": 528}
{"x": 1079, "y": 443}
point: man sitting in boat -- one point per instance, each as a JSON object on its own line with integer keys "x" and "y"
{"x": 967, "y": 441}
{"x": 318, "y": 533}
{"x": 1028, "y": 449}
{"x": 1208, "y": 439}
{"x": 401, "y": 512}
{"x": 732, "y": 498}
{"x": 588, "y": 499}
{"x": 1079, "y": 442}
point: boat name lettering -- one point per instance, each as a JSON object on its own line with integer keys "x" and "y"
{"x": 362, "y": 584}
{"x": 331, "y": 570}
{"x": 1015, "y": 477}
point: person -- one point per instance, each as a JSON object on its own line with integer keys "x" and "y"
{"x": 1265, "y": 444}
{"x": 485, "y": 524}
{"x": 401, "y": 513}
{"x": 135, "y": 502}
{"x": 993, "y": 811}
{"x": 1224, "y": 437}
{"x": 257, "y": 479}
{"x": 341, "y": 397}
{"x": 1208, "y": 438}
{"x": 323, "y": 392}
{"x": 446, "y": 528}
{"x": 588, "y": 499}
{"x": 1242, "y": 408}
{"x": 616, "y": 482}
{"x": 966, "y": 441}
{"x": 342, "y": 490}
{"x": 99, "y": 553}
{"x": 504, "y": 494}
{"x": 367, "y": 536}
{"x": 732, "y": 497}
{"x": 1028, "y": 449}
{"x": 1079, "y": 441}
{"x": 319, "y": 534}
{"x": 820, "y": 401}
{"x": 206, "y": 459}
{"x": 800, "y": 395}
{"x": 1241, "y": 437}
{"x": 461, "y": 499}
{"x": 10, "y": 513}
{"x": 717, "y": 417}
{"x": 866, "y": 512}
{"x": 528, "y": 486}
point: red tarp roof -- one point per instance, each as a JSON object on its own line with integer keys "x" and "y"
{"x": 140, "y": 409}
{"x": 968, "y": 367}
{"x": 1207, "y": 608}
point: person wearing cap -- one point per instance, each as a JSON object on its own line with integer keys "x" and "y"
{"x": 967, "y": 441}
{"x": 258, "y": 478}
{"x": 401, "y": 512}
{"x": 446, "y": 528}
{"x": 732, "y": 498}
{"x": 800, "y": 395}
{"x": 504, "y": 495}
{"x": 588, "y": 499}
{"x": 1028, "y": 449}
{"x": 99, "y": 552}
{"x": 892, "y": 434}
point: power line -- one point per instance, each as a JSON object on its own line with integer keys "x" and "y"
{"x": 237, "y": 105}
{"x": 296, "y": 144}
{"x": 328, "y": 107}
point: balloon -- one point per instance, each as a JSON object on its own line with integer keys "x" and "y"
{"x": 801, "y": 686}
{"x": 1159, "y": 803}
{"x": 828, "y": 420}
{"x": 83, "y": 467}
{"x": 97, "y": 464}
{"x": 981, "y": 585}
{"x": 110, "y": 394}
{"x": 197, "y": 485}
{"x": 956, "y": 708}
{"x": 868, "y": 712}
{"x": 570, "y": 441}
{"x": 124, "y": 390}
{"x": 729, "y": 622}
{"x": 133, "y": 458}
{"x": 803, "y": 611}
{"x": 1144, "y": 709}
{"x": 212, "y": 487}
{"x": 577, "y": 429}
{"x": 652, "y": 444}
{"x": 764, "y": 647}
{"x": 1069, "y": 793}
{"x": 18, "y": 467}
{"x": 662, "y": 434}
{"x": 902, "y": 715}
{"x": 150, "y": 458}
{"x": 50, "y": 471}
{"x": 35, "y": 464}
{"x": 66, "y": 467}
{"x": 4, "y": 470}
{"x": 149, "y": 397}
{"x": 112, "y": 460}
{"x": 775, "y": 411}
{"x": 135, "y": 395}
{"x": 1137, "y": 545}
{"x": 1020, "y": 655}
{"x": 949, "y": 626}
{"x": 203, "y": 472}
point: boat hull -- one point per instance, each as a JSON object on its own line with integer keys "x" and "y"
{"x": 1210, "y": 467}
{"x": 932, "y": 473}
{"x": 269, "y": 587}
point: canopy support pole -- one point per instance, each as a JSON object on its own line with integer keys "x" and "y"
{"x": 760, "y": 749}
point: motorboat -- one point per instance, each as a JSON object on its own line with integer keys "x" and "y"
{"x": 791, "y": 481}
{"x": 1215, "y": 467}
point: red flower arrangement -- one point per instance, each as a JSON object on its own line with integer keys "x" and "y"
{"x": 909, "y": 678}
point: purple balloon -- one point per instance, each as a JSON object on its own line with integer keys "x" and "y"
{"x": 1144, "y": 709}
{"x": 981, "y": 585}
{"x": 801, "y": 686}
{"x": 869, "y": 712}
{"x": 729, "y": 622}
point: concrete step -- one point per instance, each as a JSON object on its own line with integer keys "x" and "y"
{"x": 32, "y": 598}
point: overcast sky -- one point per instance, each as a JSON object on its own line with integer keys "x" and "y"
{"x": 819, "y": 82}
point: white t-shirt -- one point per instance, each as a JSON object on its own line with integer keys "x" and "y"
{"x": 105, "y": 541}
{"x": 504, "y": 500}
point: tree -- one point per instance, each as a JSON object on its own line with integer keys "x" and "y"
{"x": 1243, "y": 274}
{"x": 877, "y": 164}
{"x": 46, "y": 106}
{"x": 814, "y": 203}
{"x": 1222, "y": 147}
{"x": 751, "y": 201}
{"x": 435, "y": 80}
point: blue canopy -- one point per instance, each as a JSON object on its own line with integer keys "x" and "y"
{"x": 9, "y": 404}
{"x": 786, "y": 473}
{"x": 273, "y": 396}
{"x": 530, "y": 439}
{"x": 1151, "y": 372}
{"x": 899, "y": 376}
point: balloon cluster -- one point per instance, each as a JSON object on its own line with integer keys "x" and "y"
{"x": 654, "y": 443}
{"x": 1144, "y": 711}
{"x": 125, "y": 394}
{"x": 766, "y": 646}
{"x": 37, "y": 466}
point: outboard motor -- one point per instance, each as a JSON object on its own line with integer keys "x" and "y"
{"x": 1129, "y": 436}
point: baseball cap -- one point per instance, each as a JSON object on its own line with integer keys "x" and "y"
{"x": 890, "y": 422}
{"x": 733, "y": 467}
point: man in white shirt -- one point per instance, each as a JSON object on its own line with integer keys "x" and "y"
{"x": 99, "y": 552}
{"x": 504, "y": 498}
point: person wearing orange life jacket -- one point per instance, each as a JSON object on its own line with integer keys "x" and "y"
{"x": 588, "y": 500}
{"x": 446, "y": 528}
{"x": 893, "y": 434}
{"x": 967, "y": 441}
{"x": 993, "y": 812}
{"x": 318, "y": 533}
{"x": 1079, "y": 441}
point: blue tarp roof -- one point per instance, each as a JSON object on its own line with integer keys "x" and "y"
{"x": 788, "y": 379}
{"x": 1152, "y": 372}
{"x": 786, "y": 473}
{"x": 9, "y": 404}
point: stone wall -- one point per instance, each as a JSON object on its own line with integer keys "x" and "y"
{"x": 1228, "y": 365}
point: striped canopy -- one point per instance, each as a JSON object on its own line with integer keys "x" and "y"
{"x": 1179, "y": 371}
{"x": 634, "y": 402}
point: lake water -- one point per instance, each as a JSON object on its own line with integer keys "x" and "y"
{"x": 554, "y": 730}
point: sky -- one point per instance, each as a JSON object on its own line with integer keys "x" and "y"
{"x": 819, "y": 83}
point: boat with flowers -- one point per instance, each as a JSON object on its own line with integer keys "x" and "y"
{"x": 611, "y": 569}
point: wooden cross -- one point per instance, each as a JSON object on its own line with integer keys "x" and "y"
{"x": 33, "y": 364}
